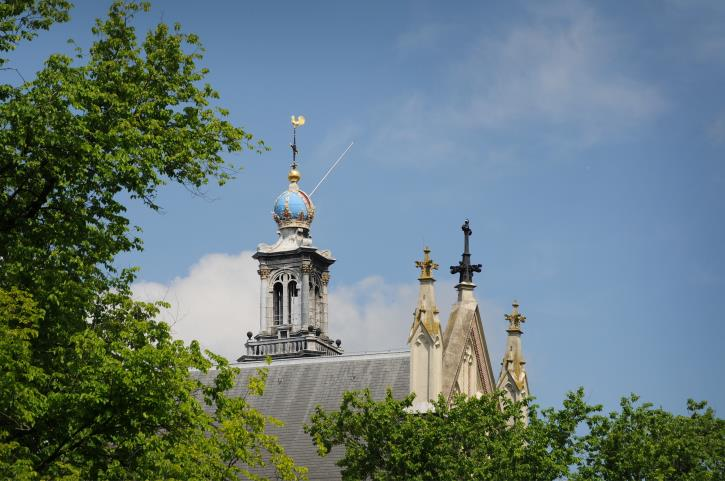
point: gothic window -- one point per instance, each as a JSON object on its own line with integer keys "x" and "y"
{"x": 277, "y": 302}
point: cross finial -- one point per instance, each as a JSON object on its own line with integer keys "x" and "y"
{"x": 464, "y": 268}
{"x": 426, "y": 265}
{"x": 515, "y": 318}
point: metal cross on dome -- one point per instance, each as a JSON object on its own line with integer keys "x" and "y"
{"x": 465, "y": 269}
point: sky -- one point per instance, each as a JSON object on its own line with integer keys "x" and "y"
{"x": 585, "y": 141}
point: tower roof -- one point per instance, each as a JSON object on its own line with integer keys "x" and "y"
{"x": 293, "y": 207}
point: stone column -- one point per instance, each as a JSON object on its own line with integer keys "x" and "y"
{"x": 285, "y": 300}
{"x": 323, "y": 321}
{"x": 305, "y": 288}
{"x": 263, "y": 288}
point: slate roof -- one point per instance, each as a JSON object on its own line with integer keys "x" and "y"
{"x": 296, "y": 386}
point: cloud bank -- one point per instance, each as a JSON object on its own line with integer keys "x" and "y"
{"x": 217, "y": 302}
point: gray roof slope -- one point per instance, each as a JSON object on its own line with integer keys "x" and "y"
{"x": 296, "y": 386}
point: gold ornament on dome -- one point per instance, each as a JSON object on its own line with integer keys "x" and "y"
{"x": 294, "y": 176}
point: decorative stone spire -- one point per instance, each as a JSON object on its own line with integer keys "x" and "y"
{"x": 426, "y": 312}
{"x": 425, "y": 339}
{"x": 466, "y": 363}
{"x": 513, "y": 378}
{"x": 465, "y": 269}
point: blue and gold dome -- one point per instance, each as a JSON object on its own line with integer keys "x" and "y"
{"x": 293, "y": 207}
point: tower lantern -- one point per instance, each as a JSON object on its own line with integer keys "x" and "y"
{"x": 293, "y": 280}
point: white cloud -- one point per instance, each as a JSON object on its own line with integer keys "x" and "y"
{"x": 217, "y": 302}
{"x": 372, "y": 315}
{"x": 558, "y": 67}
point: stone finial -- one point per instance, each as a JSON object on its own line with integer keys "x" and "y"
{"x": 515, "y": 318}
{"x": 426, "y": 266}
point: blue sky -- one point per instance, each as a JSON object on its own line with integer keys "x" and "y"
{"x": 584, "y": 141}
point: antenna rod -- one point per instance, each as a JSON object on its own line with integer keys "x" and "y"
{"x": 330, "y": 170}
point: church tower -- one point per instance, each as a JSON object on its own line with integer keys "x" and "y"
{"x": 293, "y": 278}
{"x": 513, "y": 379}
{"x": 426, "y": 340}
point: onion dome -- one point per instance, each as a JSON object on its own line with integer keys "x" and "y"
{"x": 293, "y": 207}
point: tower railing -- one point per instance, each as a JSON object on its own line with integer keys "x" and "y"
{"x": 275, "y": 347}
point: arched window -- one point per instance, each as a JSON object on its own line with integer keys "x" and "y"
{"x": 277, "y": 303}
{"x": 292, "y": 296}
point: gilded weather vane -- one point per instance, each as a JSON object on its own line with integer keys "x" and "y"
{"x": 298, "y": 121}
{"x": 464, "y": 268}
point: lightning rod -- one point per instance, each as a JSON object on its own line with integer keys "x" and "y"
{"x": 330, "y": 169}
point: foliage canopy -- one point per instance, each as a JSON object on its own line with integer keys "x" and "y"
{"x": 493, "y": 439}
{"x": 92, "y": 387}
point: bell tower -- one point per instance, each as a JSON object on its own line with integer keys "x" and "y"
{"x": 293, "y": 278}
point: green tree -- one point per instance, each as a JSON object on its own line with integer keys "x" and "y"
{"x": 91, "y": 386}
{"x": 483, "y": 438}
{"x": 488, "y": 439}
{"x": 641, "y": 442}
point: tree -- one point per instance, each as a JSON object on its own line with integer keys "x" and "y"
{"x": 91, "y": 386}
{"x": 644, "y": 442}
{"x": 483, "y": 438}
{"x": 487, "y": 439}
